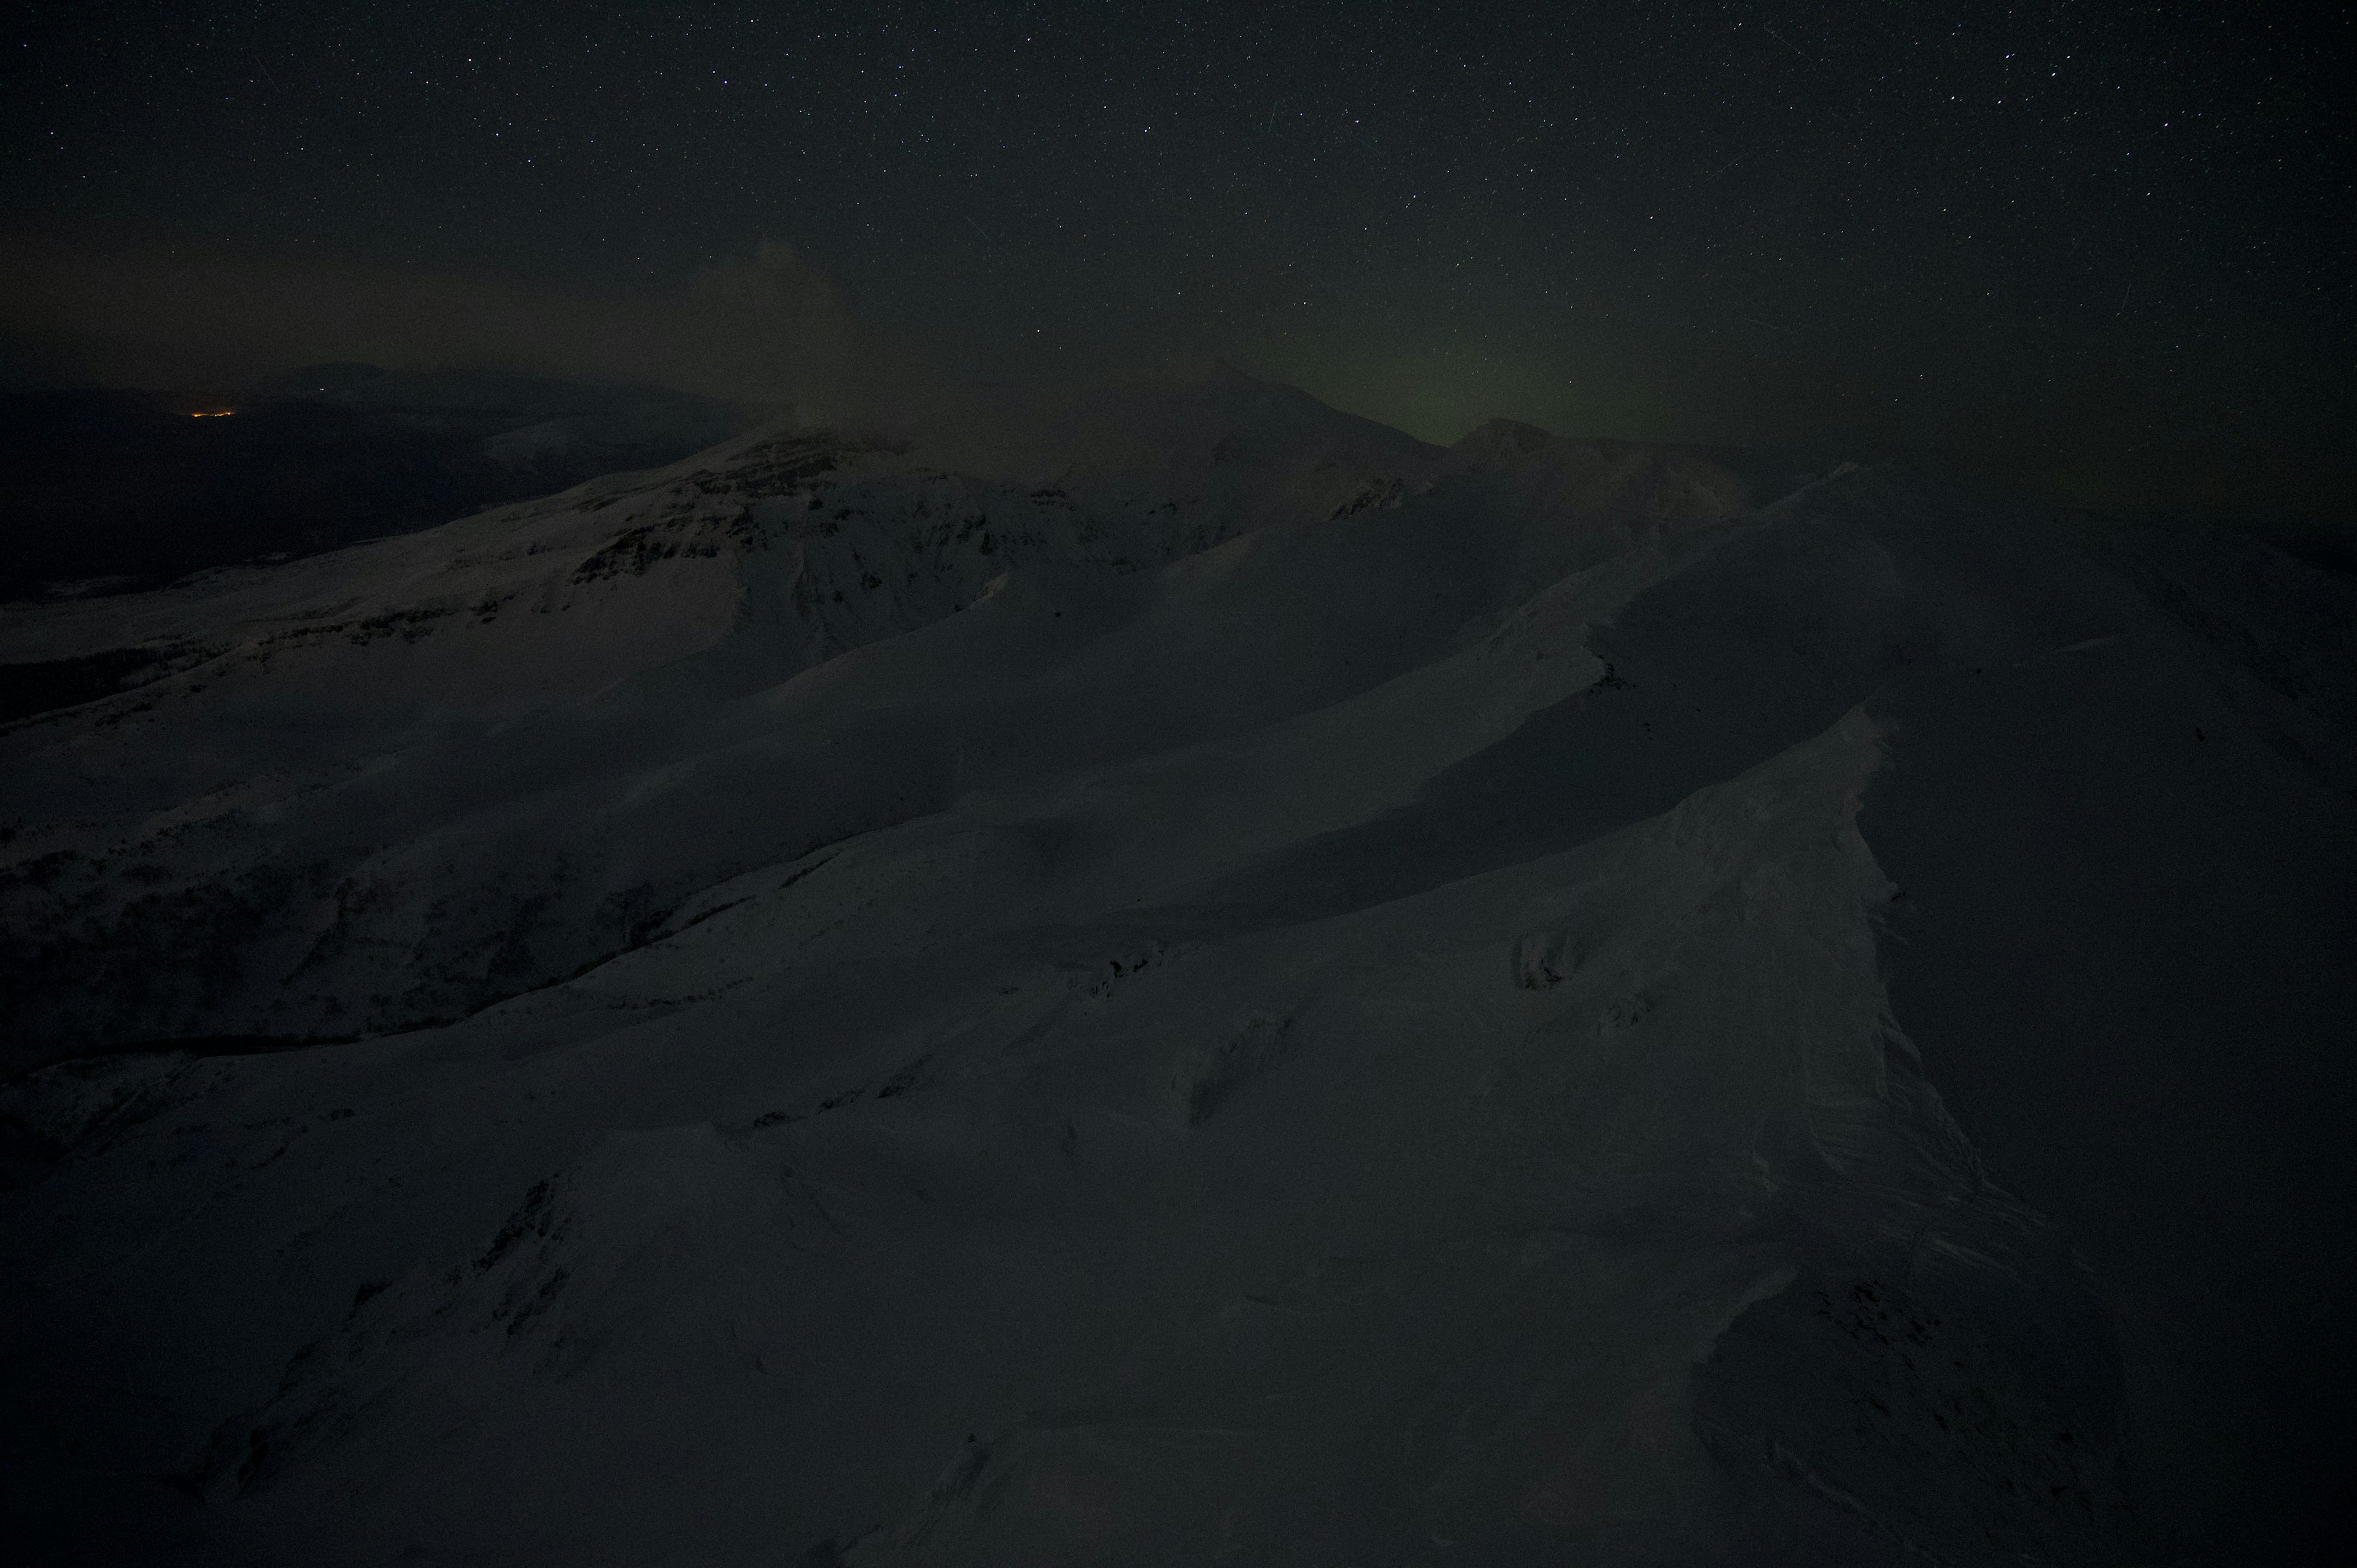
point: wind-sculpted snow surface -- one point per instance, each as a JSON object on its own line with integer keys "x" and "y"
{"x": 1239, "y": 989}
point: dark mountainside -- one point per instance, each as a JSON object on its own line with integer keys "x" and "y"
{"x": 1225, "y": 985}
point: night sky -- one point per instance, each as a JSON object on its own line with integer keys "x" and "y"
{"x": 2098, "y": 251}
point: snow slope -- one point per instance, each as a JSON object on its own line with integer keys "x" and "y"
{"x": 1216, "y": 986}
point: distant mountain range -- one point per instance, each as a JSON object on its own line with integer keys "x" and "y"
{"x": 111, "y": 490}
{"x": 1189, "y": 980}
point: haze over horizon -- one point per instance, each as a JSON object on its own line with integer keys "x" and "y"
{"x": 2098, "y": 256}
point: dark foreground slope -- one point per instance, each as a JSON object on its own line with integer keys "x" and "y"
{"x": 1243, "y": 991}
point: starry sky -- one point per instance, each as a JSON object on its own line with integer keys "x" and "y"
{"x": 2101, "y": 252}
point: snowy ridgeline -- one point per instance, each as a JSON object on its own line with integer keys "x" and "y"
{"x": 1230, "y": 988}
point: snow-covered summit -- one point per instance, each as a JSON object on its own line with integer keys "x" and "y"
{"x": 1212, "y": 983}
{"x": 626, "y": 610}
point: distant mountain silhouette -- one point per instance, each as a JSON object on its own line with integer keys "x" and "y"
{"x": 107, "y": 490}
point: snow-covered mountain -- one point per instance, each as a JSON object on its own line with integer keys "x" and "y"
{"x": 1196, "y": 982}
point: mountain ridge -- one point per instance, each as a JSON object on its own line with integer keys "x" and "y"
{"x": 1264, "y": 989}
